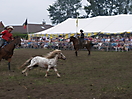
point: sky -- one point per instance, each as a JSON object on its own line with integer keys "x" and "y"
{"x": 15, "y": 12}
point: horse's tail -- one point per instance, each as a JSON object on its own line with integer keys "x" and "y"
{"x": 22, "y": 66}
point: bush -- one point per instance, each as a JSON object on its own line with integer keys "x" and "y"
{"x": 21, "y": 35}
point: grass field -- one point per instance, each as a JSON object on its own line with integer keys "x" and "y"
{"x": 102, "y": 75}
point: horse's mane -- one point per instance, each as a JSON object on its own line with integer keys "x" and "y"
{"x": 14, "y": 38}
{"x": 73, "y": 37}
{"x": 52, "y": 54}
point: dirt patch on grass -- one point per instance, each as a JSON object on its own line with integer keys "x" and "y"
{"x": 103, "y": 75}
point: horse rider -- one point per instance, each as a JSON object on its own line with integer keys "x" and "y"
{"x": 6, "y": 35}
{"x": 81, "y": 37}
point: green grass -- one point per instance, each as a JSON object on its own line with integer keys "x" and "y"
{"x": 102, "y": 75}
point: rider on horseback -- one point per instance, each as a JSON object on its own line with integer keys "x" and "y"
{"x": 6, "y": 35}
{"x": 81, "y": 37}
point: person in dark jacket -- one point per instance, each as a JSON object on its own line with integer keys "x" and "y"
{"x": 81, "y": 37}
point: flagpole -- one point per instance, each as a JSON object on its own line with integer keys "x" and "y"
{"x": 26, "y": 26}
{"x": 77, "y": 25}
{"x": 27, "y": 29}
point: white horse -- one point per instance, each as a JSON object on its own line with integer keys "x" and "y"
{"x": 48, "y": 62}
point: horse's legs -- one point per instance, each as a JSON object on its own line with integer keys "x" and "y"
{"x": 76, "y": 53}
{"x": 9, "y": 66}
{"x": 57, "y": 72}
{"x": 47, "y": 72}
{"x": 26, "y": 73}
{"x": 28, "y": 67}
{"x": 9, "y": 60}
{"x": 25, "y": 69}
{"x": 88, "y": 51}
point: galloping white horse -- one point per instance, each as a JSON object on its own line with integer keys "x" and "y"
{"x": 48, "y": 62}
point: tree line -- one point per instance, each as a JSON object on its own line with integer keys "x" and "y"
{"x": 64, "y": 9}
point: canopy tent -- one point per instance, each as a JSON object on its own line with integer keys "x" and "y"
{"x": 91, "y": 26}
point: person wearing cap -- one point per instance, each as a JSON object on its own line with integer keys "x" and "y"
{"x": 6, "y": 35}
{"x": 82, "y": 34}
{"x": 81, "y": 37}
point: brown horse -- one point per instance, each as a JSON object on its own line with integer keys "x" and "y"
{"x": 6, "y": 52}
{"x": 76, "y": 43}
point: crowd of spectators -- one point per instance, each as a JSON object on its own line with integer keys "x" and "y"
{"x": 103, "y": 43}
{"x": 117, "y": 43}
{"x": 47, "y": 43}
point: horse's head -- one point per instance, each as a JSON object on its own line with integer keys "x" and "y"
{"x": 59, "y": 53}
{"x": 17, "y": 41}
{"x": 72, "y": 38}
{"x": 54, "y": 53}
{"x": 61, "y": 56}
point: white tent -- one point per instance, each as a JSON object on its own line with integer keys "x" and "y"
{"x": 104, "y": 24}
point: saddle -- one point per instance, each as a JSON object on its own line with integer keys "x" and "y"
{"x": 81, "y": 41}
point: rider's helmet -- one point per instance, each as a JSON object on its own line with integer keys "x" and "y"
{"x": 10, "y": 27}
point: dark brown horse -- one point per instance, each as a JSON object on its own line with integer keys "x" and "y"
{"x": 6, "y": 52}
{"x": 76, "y": 43}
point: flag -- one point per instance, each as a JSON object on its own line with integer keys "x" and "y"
{"x": 25, "y": 24}
{"x": 77, "y": 22}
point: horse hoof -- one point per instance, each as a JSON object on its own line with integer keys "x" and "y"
{"x": 22, "y": 72}
{"x": 58, "y": 76}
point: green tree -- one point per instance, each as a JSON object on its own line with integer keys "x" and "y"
{"x": 63, "y": 9}
{"x": 108, "y": 7}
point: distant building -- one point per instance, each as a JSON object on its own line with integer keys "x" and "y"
{"x": 32, "y": 28}
{"x": 1, "y": 26}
